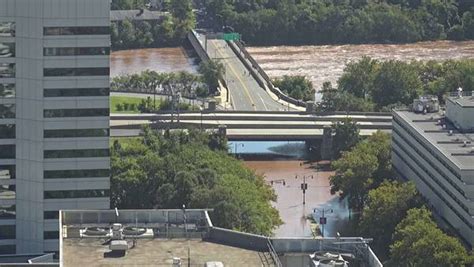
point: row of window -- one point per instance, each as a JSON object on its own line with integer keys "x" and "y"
{"x": 434, "y": 166}
{"x": 76, "y": 92}
{"x": 432, "y": 152}
{"x": 7, "y": 29}
{"x": 7, "y": 249}
{"x": 7, "y": 192}
{"x": 76, "y": 194}
{"x": 76, "y": 153}
{"x": 7, "y": 152}
{"x": 7, "y": 90}
{"x": 101, "y": 30}
{"x": 7, "y": 111}
{"x": 74, "y": 51}
{"x": 7, "y": 50}
{"x": 86, "y": 112}
{"x": 7, "y": 232}
{"x": 7, "y": 131}
{"x": 92, "y": 173}
{"x": 51, "y": 215}
{"x": 7, "y": 212}
{"x": 69, "y": 72}
{"x": 7, "y": 70}
{"x": 434, "y": 178}
{"x": 7, "y": 172}
{"x": 51, "y": 235}
{"x": 75, "y": 133}
{"x": 427, "y": 183}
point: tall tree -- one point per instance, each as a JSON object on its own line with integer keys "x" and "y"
{"x": 386, "y": 206}
{"x": 212, "y": 71}
{"x": 346, "y": 136}
{"x": 419, "y": 242}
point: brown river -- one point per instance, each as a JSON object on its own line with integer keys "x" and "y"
{"x": 319, "y": 63}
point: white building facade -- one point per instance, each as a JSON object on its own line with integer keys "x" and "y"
{"x": 431, "y": 150}
{"x": 54, "y": 117}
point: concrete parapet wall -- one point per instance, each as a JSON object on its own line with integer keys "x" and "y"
{"x": 259, "y": 74}
{"x": 197, "y": 46}
{"x": 237, "y": 239}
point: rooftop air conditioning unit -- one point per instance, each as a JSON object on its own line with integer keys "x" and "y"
{"x": 450, "y": 133}
{"x": 117, "y": 231}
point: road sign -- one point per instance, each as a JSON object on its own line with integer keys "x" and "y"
{"x": 233, "y": 36}
{"x": 304, "y": 186}
{"x": 322, "y": 220}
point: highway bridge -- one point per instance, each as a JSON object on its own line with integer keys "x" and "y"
{"x": 245, "y": 85}
{"x": 250, "y": 126}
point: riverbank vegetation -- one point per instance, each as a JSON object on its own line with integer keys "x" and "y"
{"x": 124, "y": 104}
{"x": 298, "y": 87}
{"x": 177, "y": 20}
{"x": 392, "y": 213}
{"x": 169, "y": 169}
{"x": 373, "y": 85}
{"x": 186, "y": 84}
{"x": 268, "y": 22}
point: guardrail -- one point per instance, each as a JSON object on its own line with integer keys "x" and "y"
{"x": 255, "y": 67}
{"x": 273, "y": 253}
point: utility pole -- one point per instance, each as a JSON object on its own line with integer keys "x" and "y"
{"x": 304, "y": 186}
{"x": 323, "y": 219}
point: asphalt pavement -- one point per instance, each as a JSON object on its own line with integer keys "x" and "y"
{"x": 245, "y": 92}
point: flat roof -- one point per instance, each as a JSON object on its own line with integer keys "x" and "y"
{"x": 156, "y": 252}
{"x": 451, "y": 146}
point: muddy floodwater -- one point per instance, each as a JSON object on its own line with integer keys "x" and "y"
{"x": 326, "y": 63}
{"x": 157, "y": 59}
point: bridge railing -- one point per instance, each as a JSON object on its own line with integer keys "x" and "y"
{"x": 255, "y": 67}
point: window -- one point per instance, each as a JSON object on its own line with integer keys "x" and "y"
{"x": 7, "y": 131}
{"x": 76, "y": 51}
{"x": 76, "y": 153}
{"x": 7, "y": 249}
{"x": 7, "y": 50}
{"x": 76, "y": 174}
{"x": 76, "y": 133}
{"x": 68, "y": 72}
{"x": 7, "y": 172}
{"x": 7, "y": 90}
{"x": 51, "y": 234}
{"x": 7, "y": 192}
{"x": 76, "y": 92}
{"x": 51, "y": 215}
{"x": 77, "y": 30}
{"x": 87, "y": 112}
{"x": 7, "y": 232}
{"x": 7, "y": 151}
{"x": 76, "y": 194}
{"x": 7, "y": 70}
{"x": 7, "y": 111}
{"x": 7, "y": 212}
{"x": 7, "y": 29}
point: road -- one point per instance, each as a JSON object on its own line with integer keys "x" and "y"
{"x": 245, "y": 93}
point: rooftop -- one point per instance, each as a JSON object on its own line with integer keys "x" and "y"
{"x": 449, "y": 141}
{"x": 157, "y": 252}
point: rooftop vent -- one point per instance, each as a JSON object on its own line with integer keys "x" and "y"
{"x": 117, "y": 231}
{"x": 426, "y": 104}
{"x": 450, "y": 133}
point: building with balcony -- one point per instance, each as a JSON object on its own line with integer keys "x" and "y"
{"x": 54, "y": 117}
{"x": 436, "y": 151}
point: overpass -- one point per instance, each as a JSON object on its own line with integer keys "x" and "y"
{"x": 250, "y": 126}
{"x": 248, "y": 90}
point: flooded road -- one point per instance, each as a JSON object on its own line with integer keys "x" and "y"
{"x": 157, "y": 59}
{"x": 290, "y": 197}
{"x": 326, "y": 63}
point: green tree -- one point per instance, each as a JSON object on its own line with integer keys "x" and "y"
{"x": 212, "y": 71}
{"x": 167, "y": 170}
{"x": 346, "y": 136}
{"x": 419, "y": 242}
{"x": 358, "y": 77}
{"x": 386, "y": 206}
{"x": 298, "y": 87}
{"x": 396, "y": 83}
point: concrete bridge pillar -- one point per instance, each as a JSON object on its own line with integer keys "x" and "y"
{"x": 326, "y": 145}
{"x": 212, "y": 105}
{"x": 310, "y": 107}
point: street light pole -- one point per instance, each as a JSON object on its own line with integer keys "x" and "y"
{"x": 304, "y": 186}
{"x": 322, "y": 219}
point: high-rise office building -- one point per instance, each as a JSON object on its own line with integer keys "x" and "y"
{"x": 54, "y": 117}
{"x": 436, "y": 151}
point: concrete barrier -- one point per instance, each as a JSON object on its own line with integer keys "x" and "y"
{"x": 237, "y": 239}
